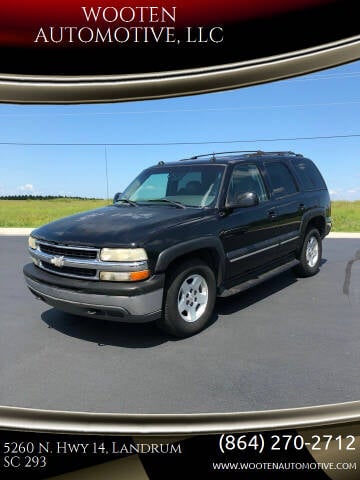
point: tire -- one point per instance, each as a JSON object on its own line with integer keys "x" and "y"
{"x": 310, "y": 255}
{"x": 189, "y": 299}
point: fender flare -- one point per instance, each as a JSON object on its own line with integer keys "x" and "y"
{"x": 307, "y": 217}
{"x": 184, "y": 248}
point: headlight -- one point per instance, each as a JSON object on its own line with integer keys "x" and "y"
{"x": 32, "y": 243}
{"x": 123, "y": 255}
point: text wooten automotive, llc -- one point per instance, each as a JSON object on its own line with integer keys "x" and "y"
{"x": 119, "y": 25}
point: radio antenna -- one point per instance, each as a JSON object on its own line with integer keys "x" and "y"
{"x": 106, "y": 174}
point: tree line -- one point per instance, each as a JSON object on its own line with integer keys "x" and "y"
{"x": 44, "y": 197}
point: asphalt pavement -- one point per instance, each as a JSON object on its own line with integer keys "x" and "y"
{"x": 287, "y": 343}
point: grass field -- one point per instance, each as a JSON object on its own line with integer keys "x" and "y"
{"x": 33, "y": 213}
{"x": 346, "y": 216}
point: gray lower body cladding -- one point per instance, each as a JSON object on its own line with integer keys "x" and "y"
{"x": 123, "y": 308}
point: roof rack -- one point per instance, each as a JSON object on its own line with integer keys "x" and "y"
{"x": 280, "y": 152}
{"x": 223, "y": 153}
{"x": 245, "y": 152}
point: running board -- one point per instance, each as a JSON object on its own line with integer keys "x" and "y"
{"x": 261, "y": 278}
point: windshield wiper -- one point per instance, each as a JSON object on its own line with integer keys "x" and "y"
{"x": 126, "y": 200}
{"x": 171, "y": 202}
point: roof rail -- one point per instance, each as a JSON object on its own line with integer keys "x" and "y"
{"x": 280, "y": 152}
{"x": 259, "y": 152}
{"x": 245, "y": 152}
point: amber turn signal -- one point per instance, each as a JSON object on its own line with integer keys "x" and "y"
{"x": 142, "y": 275}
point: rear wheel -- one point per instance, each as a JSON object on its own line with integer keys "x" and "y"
{"x": 310, "y": 256}
{"x": 189, "y": 299}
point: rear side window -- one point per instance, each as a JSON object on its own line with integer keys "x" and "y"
{"x": 308, "y": 174}
{"x": 282, "y": 181}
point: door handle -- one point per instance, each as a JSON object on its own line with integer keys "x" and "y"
{"x": 302, "y": 207}
{"x": 272, "y": 213}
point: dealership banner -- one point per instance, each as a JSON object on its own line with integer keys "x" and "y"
{"x": 319, "y": 454}
{"x": 319, "y": 442}
{"x": 84, "y": 51}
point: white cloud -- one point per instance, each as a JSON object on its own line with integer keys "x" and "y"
{"x": 349, "y": 194}
{"x": 28, "y": 187}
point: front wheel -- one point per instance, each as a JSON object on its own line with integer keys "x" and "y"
{"x": 189, "y": 299}
{"x": 310, "y": 256}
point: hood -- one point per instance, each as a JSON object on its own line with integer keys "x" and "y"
{"x": 116, "y": 225}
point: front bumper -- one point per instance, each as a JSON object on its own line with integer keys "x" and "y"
{"x": 138, "y": 302}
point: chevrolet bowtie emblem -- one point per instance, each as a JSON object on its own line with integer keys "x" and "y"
{"x": 58, "y": 261}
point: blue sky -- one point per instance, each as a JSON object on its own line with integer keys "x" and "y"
{"x": 322, "y": 104}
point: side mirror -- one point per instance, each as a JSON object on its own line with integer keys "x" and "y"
{"x": 248, "y": 199}
{"x": 117, "y": 197}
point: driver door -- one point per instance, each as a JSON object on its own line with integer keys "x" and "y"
{"x": 248, "y": 233}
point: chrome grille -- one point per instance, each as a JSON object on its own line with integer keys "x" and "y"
{"x": 90, "y": 254}
{"x": 78, "y": 262}
{"x": 73, "y": 271}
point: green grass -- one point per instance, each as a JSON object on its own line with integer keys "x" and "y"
{"x": 33, "y": 213}
{"x": 346, "y": 216}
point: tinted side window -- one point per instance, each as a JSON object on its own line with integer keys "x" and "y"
{"x": 308, "y": 174}
{"x": 282, "y": 181}
{"x": 244, "y": 179}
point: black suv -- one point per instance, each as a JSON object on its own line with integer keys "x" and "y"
{"x": 182, "y": 234}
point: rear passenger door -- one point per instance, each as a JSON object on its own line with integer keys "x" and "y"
{"x": 286, "y": 203}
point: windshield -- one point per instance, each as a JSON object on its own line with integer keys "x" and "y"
{"x": 189, "y": 185}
